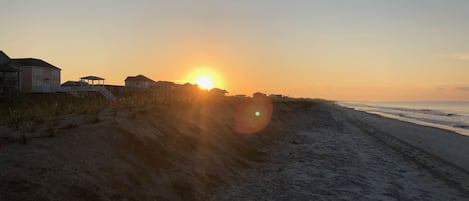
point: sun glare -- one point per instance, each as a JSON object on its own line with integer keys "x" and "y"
{"x": 205, "y": 77}
{"x": 204, "y": 82}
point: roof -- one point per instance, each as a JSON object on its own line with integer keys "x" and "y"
{"x": 139, "y": 78}
{"x": 91, "y": 77}
{"x": 4, "y": 59}
{"x": 275, "y": 95}
{"x": 6, "y": 65}
{"x": 217, "y": 90}
{"x": 33, "y": 62}
{"x": 74, "y": 83}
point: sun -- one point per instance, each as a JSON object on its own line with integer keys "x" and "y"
{"x": 204, "y": 82}
{"x": 205, "y": 77}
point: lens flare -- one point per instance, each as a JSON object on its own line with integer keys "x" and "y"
{"x": 253, "y": 115}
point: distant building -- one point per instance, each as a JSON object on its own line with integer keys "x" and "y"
{"x": 259, "y": 95}
{"x": 37, "y": 76}
{"x": 216, "y": 92}
{"x": 9, "y": 76}
{"x": 139, "y": 81}
{"x": 276, "y": 97}
{"x": 91, "y": 85}
{"x": 164, "y": 85}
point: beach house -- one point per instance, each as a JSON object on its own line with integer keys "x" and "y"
{"x": 139, "y": 81}
{"x": 37, "y": 76}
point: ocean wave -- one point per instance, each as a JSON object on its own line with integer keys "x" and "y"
{"x": 422, "y": 111}
{"x": 432, "y": 116}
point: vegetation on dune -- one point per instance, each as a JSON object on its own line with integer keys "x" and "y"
{"x": 192, "y": 143}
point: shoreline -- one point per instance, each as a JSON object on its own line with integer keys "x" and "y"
{"x": 457, "y": 130}
{"x": 443, "y": 143}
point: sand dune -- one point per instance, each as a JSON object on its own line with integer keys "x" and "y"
{"x": 310, "y": 150}
{"x": 178, "y": 151}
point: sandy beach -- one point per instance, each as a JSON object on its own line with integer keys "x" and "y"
{"x": 337, "y": 153}
{"x": 310, "y": 150}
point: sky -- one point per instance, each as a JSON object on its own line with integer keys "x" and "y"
{"x": 355, "y": 50}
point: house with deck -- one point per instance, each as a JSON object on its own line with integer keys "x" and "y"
{"x": 31, "y": 75}
{"x": 88, "y": 85}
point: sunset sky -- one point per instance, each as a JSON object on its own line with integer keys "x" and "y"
{"x": 377, "y": 50}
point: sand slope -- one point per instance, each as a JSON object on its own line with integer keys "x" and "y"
{"x": 178, "y": 151}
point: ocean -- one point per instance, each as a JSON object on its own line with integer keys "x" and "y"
{"x": 452, "y": 116}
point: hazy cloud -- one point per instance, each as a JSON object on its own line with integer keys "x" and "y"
{"x": 461, "y": 56}
{"x": 463, "y": 88}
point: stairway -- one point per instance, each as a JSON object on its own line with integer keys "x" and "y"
{"x": 106, "y": 93}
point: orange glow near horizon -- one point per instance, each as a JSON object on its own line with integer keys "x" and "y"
{"x": 206, "y": 78}
{"x": 310, "y": 51}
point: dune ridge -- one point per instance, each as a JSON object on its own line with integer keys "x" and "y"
{"x": 173, "y": 151}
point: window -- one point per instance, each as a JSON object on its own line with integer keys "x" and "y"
{"x": 37, "y": 71}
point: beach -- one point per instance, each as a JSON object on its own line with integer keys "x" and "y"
{"x": 342, "y": 154}
{"x": 310, "y": 150}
